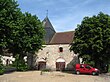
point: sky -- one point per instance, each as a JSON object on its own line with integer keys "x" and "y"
{"x": 64, "y": 15}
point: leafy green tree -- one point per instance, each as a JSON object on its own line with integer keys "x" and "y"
{"x": 33, "y": 37}
{"x": 9, "y": 14}
{"x": 92, "y": 39}
{"x": 29, "y": 38}
{"x": 19, "y": 33}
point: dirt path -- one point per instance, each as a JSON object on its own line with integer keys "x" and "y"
{"x": 34, "y": 76}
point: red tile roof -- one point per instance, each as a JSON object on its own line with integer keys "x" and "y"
{"x": 63, "y": 38}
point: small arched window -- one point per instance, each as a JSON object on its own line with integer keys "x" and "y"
{"x": 60, "y": 49}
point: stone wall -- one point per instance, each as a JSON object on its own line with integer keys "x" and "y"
{"x": 50, "y": 54}
{"x": 6, "y": 60}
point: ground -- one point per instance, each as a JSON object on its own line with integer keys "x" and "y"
{"x": 35, "y": 76}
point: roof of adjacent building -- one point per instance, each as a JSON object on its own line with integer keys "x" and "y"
{"x": 63, "y": 38}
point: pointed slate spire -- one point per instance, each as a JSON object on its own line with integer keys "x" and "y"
{"x": 47, "y": 24}
{"x": 50, "y": 31}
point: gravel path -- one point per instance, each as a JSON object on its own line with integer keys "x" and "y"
{"x": 35, "y": 76}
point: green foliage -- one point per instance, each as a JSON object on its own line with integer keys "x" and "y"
{"x": 8, "y": 17}
{"x": 20, "y": 33}
{"x": 28, "y": 37}
{"x": 92, "y": 38}
{"x": 20, "y": 65}
{"x": 109, "y": 68}
{"x": 0, "y": 60}
{"x": 1, "y": 67}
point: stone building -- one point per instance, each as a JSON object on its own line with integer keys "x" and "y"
{"x": 56, "y": 54}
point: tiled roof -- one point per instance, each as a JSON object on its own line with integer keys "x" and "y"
{"x": 63, "y": 38}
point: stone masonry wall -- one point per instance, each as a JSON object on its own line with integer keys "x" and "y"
{"x": 50, "y": 54}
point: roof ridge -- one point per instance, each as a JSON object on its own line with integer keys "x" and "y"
{"x": 65, "y": 32}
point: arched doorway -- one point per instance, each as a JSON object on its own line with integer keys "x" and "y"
{"x": 41, "y": 64}
{"x": 60, "y": 64}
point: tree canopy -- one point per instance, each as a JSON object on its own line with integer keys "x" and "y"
{"x": 92, "y": 38}
{"x": 8, "y": 16}
{"x": 20, "y": 33}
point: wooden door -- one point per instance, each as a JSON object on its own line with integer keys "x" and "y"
{"x": 41, "y": 65}
{"x": 60, "y": 66}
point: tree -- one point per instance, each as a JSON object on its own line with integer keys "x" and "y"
{"x": 20, "y": 33}
{"x": 9, "y": 14}
{"x": 8, "y": 17}
{"x": 92, "y": 39}
{"x": 28, "y": 38}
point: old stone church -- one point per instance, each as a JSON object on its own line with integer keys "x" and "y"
{"x": 56, "y": 54}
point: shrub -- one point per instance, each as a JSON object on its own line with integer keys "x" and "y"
{"x": 1, "y": 69}
{"x": 46, "y": 70}
{"x": 20, "y": 64}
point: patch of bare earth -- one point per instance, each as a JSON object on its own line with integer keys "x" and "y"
{"x": 35, "y": 76}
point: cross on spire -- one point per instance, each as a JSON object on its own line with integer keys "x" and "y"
{"x": 47, "y": 13}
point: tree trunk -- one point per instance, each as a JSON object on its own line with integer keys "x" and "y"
{"x": 98, "y": 64}
{"x": 21, "y": 56}
{"x": 31, "y": 61}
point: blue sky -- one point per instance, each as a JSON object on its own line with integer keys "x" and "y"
{"x": 65, "y": 14}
